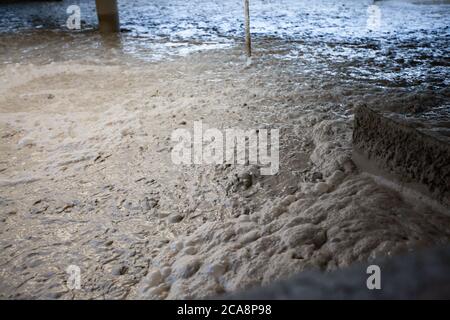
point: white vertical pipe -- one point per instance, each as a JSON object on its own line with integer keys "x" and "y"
{"x": 248, "y": 39}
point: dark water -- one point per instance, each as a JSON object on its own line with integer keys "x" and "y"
{"x": 388, "y": 43}
{"x": 219, "y": 20}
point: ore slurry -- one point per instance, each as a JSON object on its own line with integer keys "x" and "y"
{"x": 331, "y": 34}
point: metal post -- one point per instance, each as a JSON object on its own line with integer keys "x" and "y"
{"x": 248, "y": 39}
